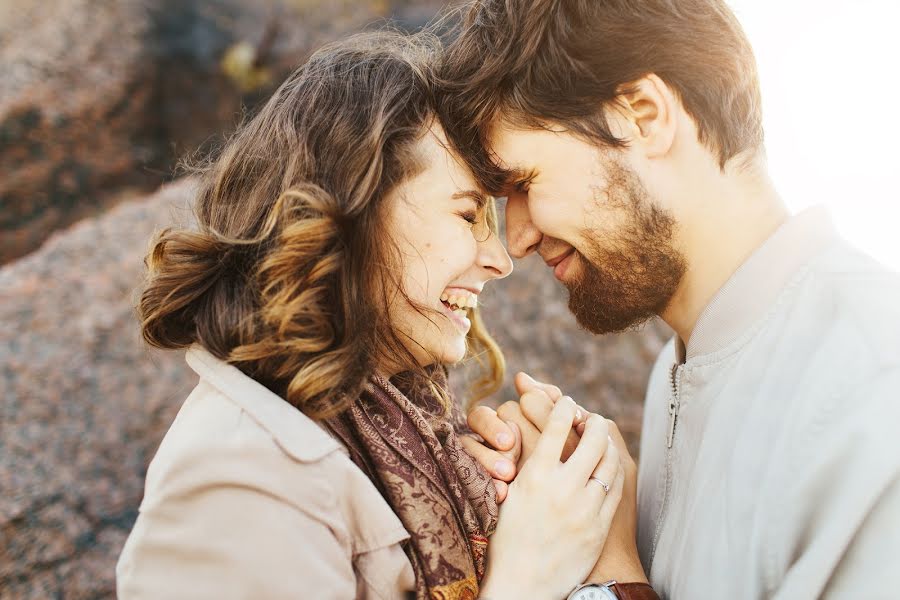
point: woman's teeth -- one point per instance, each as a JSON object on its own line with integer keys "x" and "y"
{"x": 459, "y": 303}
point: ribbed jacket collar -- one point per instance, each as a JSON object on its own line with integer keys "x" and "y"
{"x": 752, "y": 289}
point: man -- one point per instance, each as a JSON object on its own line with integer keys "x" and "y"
{"x": 627, "y": 137}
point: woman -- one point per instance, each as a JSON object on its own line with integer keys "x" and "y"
{"x": 335, "y": 271}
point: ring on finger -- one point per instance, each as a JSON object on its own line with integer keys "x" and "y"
{"x": 602, "y": 483}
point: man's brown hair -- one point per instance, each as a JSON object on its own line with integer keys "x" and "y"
{"x": 534, "y": 62}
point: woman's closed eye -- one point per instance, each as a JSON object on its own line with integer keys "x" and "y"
{"x": 470, "y": 216}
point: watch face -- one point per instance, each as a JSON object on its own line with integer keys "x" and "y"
{"x": 594, "y": 592}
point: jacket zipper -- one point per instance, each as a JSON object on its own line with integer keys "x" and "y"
{"x": 674, "y": 405}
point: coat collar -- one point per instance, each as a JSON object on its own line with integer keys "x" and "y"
{"x": 298, "y": 435}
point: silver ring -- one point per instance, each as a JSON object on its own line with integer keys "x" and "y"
{"x": 601, "y": 482}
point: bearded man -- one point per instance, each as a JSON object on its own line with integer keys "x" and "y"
{"x": 627, "y": 136}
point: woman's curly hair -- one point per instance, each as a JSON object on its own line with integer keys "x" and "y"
{"x": 288, "y": 273}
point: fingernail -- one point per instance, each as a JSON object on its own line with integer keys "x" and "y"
{"x": 578, "y": 414}
{"x": 503, "y": 467}
{"x": 498, "y": 487}
{"x": 579, "y": 429}
{"x": 504, "y": 439}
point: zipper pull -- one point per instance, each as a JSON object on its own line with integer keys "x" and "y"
{"x": 673, "y": 408}
{"x": 673, "y": 417}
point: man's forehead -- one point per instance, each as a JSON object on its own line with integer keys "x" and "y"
{"x": 515, "y": 145}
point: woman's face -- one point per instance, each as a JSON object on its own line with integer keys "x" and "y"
{"x": 447, "y": 250}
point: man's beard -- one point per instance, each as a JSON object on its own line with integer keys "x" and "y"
{"x": 629, "y": 276}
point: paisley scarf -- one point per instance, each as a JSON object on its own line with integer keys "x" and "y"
{"x": 408, "y": 445}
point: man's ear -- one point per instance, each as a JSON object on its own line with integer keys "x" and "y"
{"x": 649, "y": 109}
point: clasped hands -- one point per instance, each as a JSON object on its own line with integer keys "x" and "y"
{"x": 506, "y": 439}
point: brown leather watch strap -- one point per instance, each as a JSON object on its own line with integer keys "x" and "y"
{"x": 634, "y": 591}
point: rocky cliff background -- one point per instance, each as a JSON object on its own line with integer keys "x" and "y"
{"x": 99, "y": 99}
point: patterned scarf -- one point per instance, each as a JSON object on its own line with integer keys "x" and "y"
{"x": 408, "y": 446}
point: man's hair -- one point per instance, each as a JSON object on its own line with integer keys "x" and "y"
{"x": 533, "y": 62}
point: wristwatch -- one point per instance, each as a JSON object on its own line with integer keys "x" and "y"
{"x": 611, "y": 590}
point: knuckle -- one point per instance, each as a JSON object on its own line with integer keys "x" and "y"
{"x": 611, "y": 463}
{"x": 564, "y": 409}
{"x": 613, "y": 429}
{"x": 533, "y": 404}
{"x": 509, "y": 410}
{"x": 602, "y": 426}
{"x": 479, "y": 414}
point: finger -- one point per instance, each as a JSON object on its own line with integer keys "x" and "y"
{"x": 484, "y": 421}
{"x": 536, "y": 406}
{"x": 606, "y": 472}
{"x": 516, "y": 452}
{"x": 591, "y": 448}
{"x": 549, "y": 447}
{"x": 571, "y": 444}
{"x": 512, "y": 412}
{"x": 581, "y": 416}
{"x": 497, "y": 465}
{"x": 612, "y": 499}
{"x": 525, "y": 382}
{"x": 502, "y": 490}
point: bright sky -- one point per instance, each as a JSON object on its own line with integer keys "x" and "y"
{"x": 831, "y": 100}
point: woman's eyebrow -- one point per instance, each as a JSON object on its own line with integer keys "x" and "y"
{"x": 479, "y": 198}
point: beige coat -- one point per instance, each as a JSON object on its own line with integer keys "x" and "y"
{"x": 248, "y": 498}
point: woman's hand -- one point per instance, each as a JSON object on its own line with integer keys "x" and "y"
{"x": 557, "y": 515}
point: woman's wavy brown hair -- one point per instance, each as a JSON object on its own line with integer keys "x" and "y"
{"x": 289, "y": 271}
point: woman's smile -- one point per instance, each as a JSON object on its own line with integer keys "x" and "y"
{"x": 456, "y": 304}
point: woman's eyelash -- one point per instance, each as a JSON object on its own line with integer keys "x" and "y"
{"x": 470, "y": 216}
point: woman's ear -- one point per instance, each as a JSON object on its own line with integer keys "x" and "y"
{"x": 649, "y": 110}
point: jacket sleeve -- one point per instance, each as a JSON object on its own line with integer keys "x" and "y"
{"x": 869, "y": 567}
{"x": 839, "y": 531}
{"x": 232, "y": 542}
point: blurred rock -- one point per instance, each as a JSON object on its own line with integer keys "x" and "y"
{"x": 83, "y": 402}
{"x": 99, "y": 95}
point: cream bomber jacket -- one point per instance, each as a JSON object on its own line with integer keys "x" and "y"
{"x": 770, "y": 454}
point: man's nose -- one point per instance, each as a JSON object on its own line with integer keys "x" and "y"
{"x": 522, "y": 237}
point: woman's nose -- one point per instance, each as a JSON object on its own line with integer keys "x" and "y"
{"x": 493, "y": 258}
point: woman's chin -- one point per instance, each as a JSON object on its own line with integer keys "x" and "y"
{"x": 453, "y": 352}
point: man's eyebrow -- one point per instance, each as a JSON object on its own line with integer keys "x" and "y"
{"x": 479, "y": 198}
